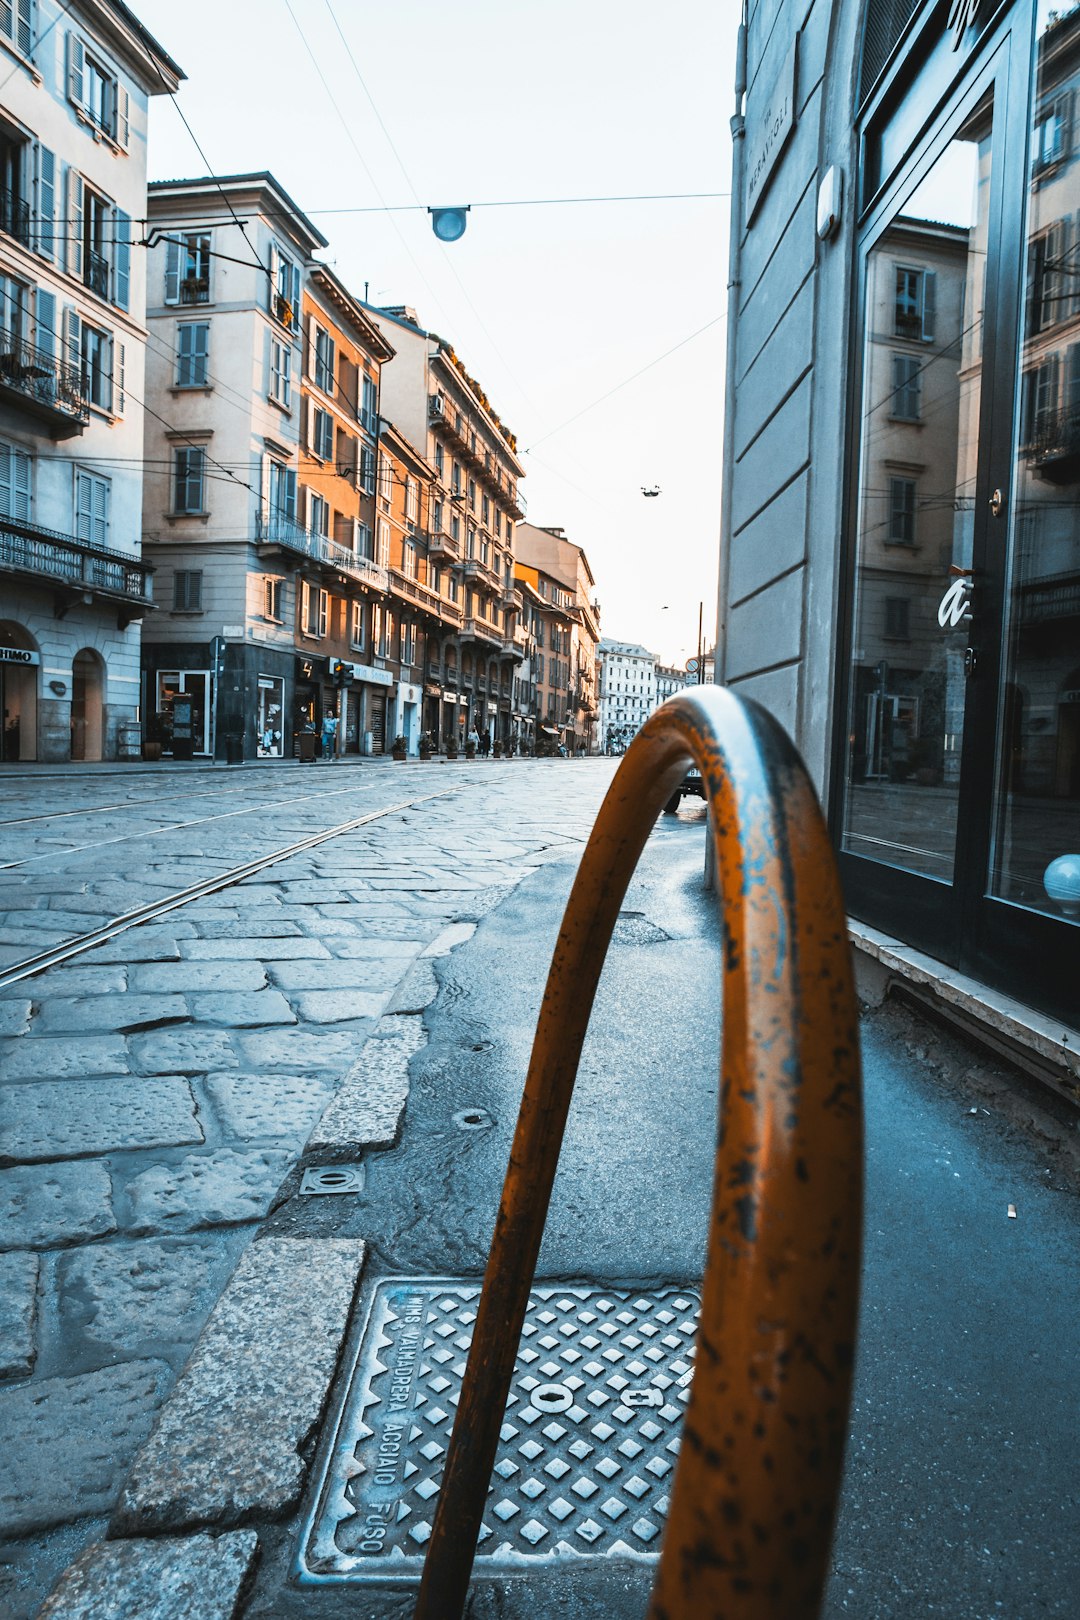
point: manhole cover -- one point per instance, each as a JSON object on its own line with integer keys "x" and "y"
{"x": 588, "y": 1445}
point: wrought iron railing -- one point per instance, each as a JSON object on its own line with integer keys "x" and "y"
{"x": 27, "y": 549}
{"x": 42, "y": 378}
{"x": 273, "y": 527}
{"x": 96, "y": 272}
{"x": 15, "y": 217}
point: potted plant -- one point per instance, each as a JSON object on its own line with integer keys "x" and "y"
{"x": 451, "y": 746}
{"x": 470, "y": 750}
{"x": 427, "y": 747}
{"x": 399, "y": 747}
{"x": 497, "y": 748}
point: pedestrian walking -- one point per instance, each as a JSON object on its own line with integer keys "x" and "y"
{"x": 485, "y": 742}
{"x": 329, "y": 735}
{"x": 474, "y": 738}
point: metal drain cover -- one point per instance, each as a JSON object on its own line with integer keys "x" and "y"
{"x": 588, "y": 1445}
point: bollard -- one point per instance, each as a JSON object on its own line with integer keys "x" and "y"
{"x": 755, "y": 1491}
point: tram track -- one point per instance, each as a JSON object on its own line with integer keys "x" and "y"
{"x": 195, "y": 891}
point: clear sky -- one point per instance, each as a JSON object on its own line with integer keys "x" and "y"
{"x": 549, "y": 307}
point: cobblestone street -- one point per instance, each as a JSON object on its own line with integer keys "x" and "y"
{"x": 158, "y": 1087}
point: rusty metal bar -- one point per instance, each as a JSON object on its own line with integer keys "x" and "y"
{"x": 756, "y": 1486}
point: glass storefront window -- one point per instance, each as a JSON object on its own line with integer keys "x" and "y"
{"x": 270, "y": 737}
{"x": 1037, "y": 803}
{"x": 922, "y": 354}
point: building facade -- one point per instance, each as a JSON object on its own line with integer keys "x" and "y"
{"x": 563, "y": 586}
{"x": 670, "y": 680}
{"x": 901, "y": 588}
{"x": 627, "y": 692}
{"x": 259, "y": 501}
{"x": 475, "y": 504}
{"x": 74, "y": 587}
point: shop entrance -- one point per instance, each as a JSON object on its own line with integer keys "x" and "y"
{"x": 960, "y": 787}
{"x": 87, "y": 705}
{"x": 19, "y": 667}
{"x": 184, "y": 731}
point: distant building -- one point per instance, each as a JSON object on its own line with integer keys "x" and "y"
{"x": 571, "y": 684}
{"x": 627, "y": 692}
{"x": 670, "y": 680}
{"x": 73, "y": 584}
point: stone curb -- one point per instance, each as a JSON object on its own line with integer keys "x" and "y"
{"x": 367, "y": 1107}
{"x": 229, "y": 1443}
{"x": 200, "y": 1578}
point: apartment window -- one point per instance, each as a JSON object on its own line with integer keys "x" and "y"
{"x": 273, "y": 598}
{"x": 17, "y": 24}
{"x": 93, "y": 89}
{"x": 281, "y": 489}
{"x": 314, "y": 610}
{"x": 320, "y": 514}
{"x": 408, "y": 643}
{"x": 412, "y": 501}
{"x": 901, "y": 529}
{"x": 14, "y": 309}
{"x": 382, "y": 542}
{"x": 280, "y": 373}
{"x": 472, "y": 494}
{"x": 386, "y": 479}
{"x": 455, "y": 478}
{"x": 322, "y": 435}
{"x": 1050, "y": 144}
{"x": 187, "y": 268}
{"x": 323, "y": 359}
{"x": 485, "y": 509}
{"x": 365, "y": 546}
{"x": 92, "y": 500}
{"x": 367, "y": 470}
{"x": 192, "y": 354}
{"x": 440, "y": 459}
{"x": 897, "y": 612}
{"x": 358, "y": 628}
{"x": 16, "y": 470}
{"x": 1052, "y": 278}
{"x": 187, "y": 590}
{"x": 509, "y": 535}
{"x": 452, "y": 588}
{"x": 914, "y": 304}
{"x": 470, "y": 543}
{"x": 189, "y": 479}
{"x": 437, "y": 517}
{"x": 408, "y": 560}
{"x": 284, "y": 288}
{"x": 907, "y": 374}
{"x": 498, "y": 522}
{"x": 369, "y": 403}
{"x": 95, "y": 358}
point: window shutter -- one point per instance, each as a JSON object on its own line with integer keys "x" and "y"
{"x": 46, "y": 201}
{"x": 100, "y": 496}
{"x": 295, "y": 297}
{"x": 173, "y": 250}
{"x": 120, "y": 373}
{"x": 76, "y": 67}
{"x": 73, "y": 223}
{"x": 312, "y": 344}
{"x": 45, "y": 322}
{"x": 929, "y": 318}
{"x": 272, "y": 278}
{"x": 289, "y": 481}
{"x": 123, "y": 117}
{"x": 84, "y": 508}
{"x": 25, "y": 37}
{"x": 73, "y": 336}
{"x": 185, "y": 350}
{"x": 107, "y": 400}
{"x": 7, "y": 454}
{"x": 122, "y": 266}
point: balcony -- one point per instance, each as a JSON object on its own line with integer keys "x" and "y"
{"x": 482, "y": 630}
{"x": 15, "y": 217}
{"x": 1054, "y": 446}
{"x": 79, "y": 571}
{"x": 422, "y": 596}
{"x": 273, "y": 528}
{"x": 37, "y": 382}
{"x": 96, "y": 272}
{"x": 511, "y": 598}
{"x": 480, "y": 574}
{"x": 196, "y": 290}
{"x": 441, "y": 544}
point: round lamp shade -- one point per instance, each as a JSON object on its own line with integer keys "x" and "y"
{"x": 1061, "y": 880}
{"x": 448, "y": 223}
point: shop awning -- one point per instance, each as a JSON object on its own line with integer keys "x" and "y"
{"x": 551, "y": 731}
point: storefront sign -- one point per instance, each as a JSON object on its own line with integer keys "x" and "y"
{"x": 373, "y": 676}
{"x": 409, "y": 694}
{"x": 955, "y": 604}
{"x": 18, "y": 655}
{"x": 962, "y": 14}
{"x": 770, "y": 133}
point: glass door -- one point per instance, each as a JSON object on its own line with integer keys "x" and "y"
{"x": 959, "y": 819}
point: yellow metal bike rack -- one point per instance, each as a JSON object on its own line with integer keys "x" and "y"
{"x": 758, "y": 1476}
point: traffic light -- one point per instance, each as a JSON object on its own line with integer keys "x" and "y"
{"x": 342, "y": 673}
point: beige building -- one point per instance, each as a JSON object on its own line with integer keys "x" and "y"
{"x": 571, "y": 627}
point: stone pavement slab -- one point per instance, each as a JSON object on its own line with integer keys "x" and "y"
{"x": 69, "y": 1441}
{"x": 247, "y": 1010}
{"x": 71, "y": 980}
{"x": 70, "y": 1119}
{"x": 369, "y": 974}
{"x": 58, "y": 1057}
{"x": 15, "y": 1015}
{"x": 339, "y": 1006}
{"x": 56, "y": 1205}
{"x": 18, "y": 1307}
{"x": 253, "y": 950}
{"x": 133, "y": 945}
{"x": 317, "y": 1052}
{"x": 125, "y": 1296}
{"x": 183, "y": 1051}
{"x": 251, "y": 1106}
{"x": 206, "y": 1189}
{"x": 122, "y": 1014}
{"x": 197, "y": 1577}
{"x": 228, "y": 1443}
{"x": 154, "y": 977}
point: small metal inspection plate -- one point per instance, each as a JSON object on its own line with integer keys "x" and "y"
{"x": 588, "y": 1445}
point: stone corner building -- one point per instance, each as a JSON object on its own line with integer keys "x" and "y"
{"x": 900, "y": 567}
{"x": 73, "y": 586}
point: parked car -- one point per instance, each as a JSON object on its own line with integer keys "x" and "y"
{"x": 691, "y": 783}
